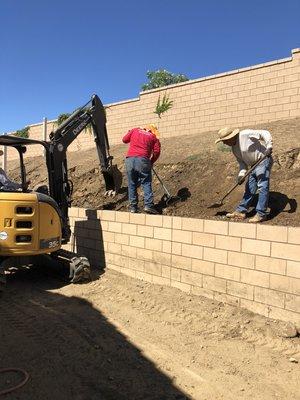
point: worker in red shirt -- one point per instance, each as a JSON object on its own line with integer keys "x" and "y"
{"x": 144, "y": 150}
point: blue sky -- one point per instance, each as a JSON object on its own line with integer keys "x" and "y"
{"x": 55, "y": 54}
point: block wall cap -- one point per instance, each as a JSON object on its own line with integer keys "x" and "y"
{"x": 117, "y": 103}
{"x": 49, "y": 121}
{"x": 283, "y": 60}
{"x": 296, "y": 50}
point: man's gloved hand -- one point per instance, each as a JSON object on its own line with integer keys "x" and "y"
{"x": 269, "y": 152}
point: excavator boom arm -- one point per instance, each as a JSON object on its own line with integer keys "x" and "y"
{"x": 60, "y": 187}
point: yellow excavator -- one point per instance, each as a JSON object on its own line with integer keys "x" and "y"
{"x": 36, "y": 222}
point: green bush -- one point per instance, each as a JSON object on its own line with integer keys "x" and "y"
{"x": 24, "y": 133}
{"x": 161, "y": 78}
{"x": 62, "y": 117}
{"x": 163, "y": 105}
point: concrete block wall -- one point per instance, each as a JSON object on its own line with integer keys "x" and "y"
{"x": 242, "y": 97}
{"x": 253, "y": 266}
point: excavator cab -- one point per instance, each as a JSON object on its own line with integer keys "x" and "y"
{"x": 35, "y": 222}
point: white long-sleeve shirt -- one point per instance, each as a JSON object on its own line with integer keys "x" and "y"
{"x": 250, "y": 147}
{"x": 6, "y": 183}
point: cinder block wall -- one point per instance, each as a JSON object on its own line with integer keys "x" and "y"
{"x": 246, "y": 96}
{"x": 253, "y": 266}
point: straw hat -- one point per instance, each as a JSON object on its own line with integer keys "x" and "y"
{"x": 153, "y": 129}
{"x": 226, "y": 133}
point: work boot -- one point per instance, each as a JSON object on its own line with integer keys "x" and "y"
{"x": 258, "y": 218}
{"x": 236, "y": 214}
{"x": 150, "y": 210}
{"x": 133, "y": 209}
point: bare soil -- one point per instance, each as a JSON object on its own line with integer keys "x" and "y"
{"x": 196, "y": 169}
{"x": 118, "y": 338}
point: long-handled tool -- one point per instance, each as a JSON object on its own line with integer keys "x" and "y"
{"x": 168, "y": 198}
{"x": 220, "y": 203}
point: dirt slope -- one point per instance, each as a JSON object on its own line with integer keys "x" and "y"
{"x": 200, "y": 171}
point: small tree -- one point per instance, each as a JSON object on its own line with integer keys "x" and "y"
{"x": 163, "y": 105}
{"x": 62, "y": 117}
{"x": 24, "y": 133}
{"x": 161, "y": 78}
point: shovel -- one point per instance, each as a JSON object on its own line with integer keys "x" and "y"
{"x": 220, "y": 203}
{"x": 167, "y": 196}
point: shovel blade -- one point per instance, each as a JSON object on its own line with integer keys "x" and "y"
{"x": 171, "y": 200}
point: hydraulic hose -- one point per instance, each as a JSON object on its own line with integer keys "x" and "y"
{"x": 19, "y": 385}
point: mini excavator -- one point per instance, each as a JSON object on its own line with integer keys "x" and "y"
{"x": 36, "y": 222}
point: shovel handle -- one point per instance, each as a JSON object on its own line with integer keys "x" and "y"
{"x": 246, "y": 175}
{"x": 161, "y": 182}
{"x": 255, "y": 165}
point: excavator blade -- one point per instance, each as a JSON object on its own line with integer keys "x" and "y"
{"x": 80, "y": 270}
{"x": 113, "y": 180}
{"x": 79, "y": 266}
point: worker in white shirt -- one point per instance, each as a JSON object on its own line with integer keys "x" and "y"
{"x": 248, "y": 146}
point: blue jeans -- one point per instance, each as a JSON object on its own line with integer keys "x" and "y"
{"x": 259, "y": 179}
{"x": 139, "y": 172}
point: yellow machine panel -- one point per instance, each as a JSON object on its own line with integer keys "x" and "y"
{"x": 49, "y": 228}
{"x": 27, "y": 226}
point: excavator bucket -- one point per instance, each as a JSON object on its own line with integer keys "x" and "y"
{"x": 113, "y": 180}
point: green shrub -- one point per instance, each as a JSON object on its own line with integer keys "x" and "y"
{"x": 163, "y": 105}
{"x": 162, "y": 78}
{"x": 23, "y": 133}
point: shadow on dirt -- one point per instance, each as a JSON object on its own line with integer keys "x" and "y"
{"x": 70, "y": 350}
{"x": 165, "y": 202}
{"x": 278, "y": 203}
{"x": 168, "y": 202}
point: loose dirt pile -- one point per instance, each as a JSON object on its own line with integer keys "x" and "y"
{"x": 118, "y": 339}
{"x": 196, "y": 169}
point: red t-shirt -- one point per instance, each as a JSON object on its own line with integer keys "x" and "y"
{"x": 142, "y": 144}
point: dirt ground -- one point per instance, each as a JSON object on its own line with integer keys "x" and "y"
{"x": 196, "y": 169}
{"x": 118, "y": 338}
